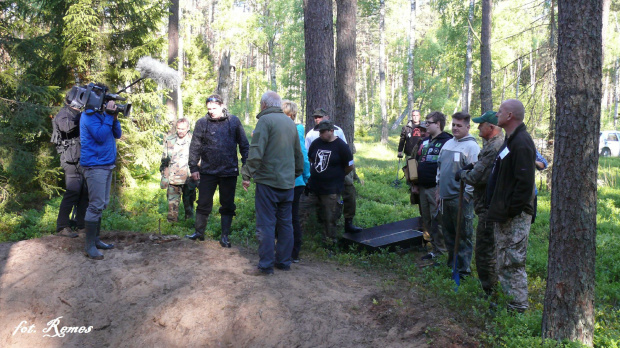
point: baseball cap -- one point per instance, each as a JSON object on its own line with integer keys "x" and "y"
{"x": 488, "y": 116}
{"x": 325, "y": 125}
{"x": 320, "y": 112}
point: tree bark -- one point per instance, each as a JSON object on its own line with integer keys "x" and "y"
{"x": 468, "y": 61}
{"x": 346, "y": 66}
{"x": 319, "y": 47}
{"x": 173, "y": 54}
{"x": 382, "y": 97}
{"x": 224, "y": 81}
{"x": 486, "y": 89}
{"x": 569, "y": 297}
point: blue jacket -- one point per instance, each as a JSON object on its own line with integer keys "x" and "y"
{"x": 302, "y": 180}
{"x": 98, "y": 134}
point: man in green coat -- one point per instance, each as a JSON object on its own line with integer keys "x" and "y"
{"x": 274, "y": 161}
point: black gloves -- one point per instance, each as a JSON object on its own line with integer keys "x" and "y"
{"x": 165, "y": 162}
{"x": 468, "y": 167}
{"x": 457, "y": 175}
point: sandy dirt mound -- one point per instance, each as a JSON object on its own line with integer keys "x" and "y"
{"x": 194, "y": 294}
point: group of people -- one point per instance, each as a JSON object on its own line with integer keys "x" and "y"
{"x": 294, "y": 173}
{"x": 283, "y": 161}
{"x": 498, "y": 186}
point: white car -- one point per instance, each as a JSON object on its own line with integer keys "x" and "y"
{"x": 609, "y": 143}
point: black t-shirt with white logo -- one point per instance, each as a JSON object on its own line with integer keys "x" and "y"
{"x": 327, "y": 163}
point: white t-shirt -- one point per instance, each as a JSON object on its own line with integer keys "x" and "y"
{"x": 314, "y": 134}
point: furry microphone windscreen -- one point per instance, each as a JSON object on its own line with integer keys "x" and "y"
{"x": 156, "y": 70}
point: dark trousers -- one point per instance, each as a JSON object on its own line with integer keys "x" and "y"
{"x": 274, "y": 210}
{"x": 297, "y": 233}
{"x": 76, "y": 195}
{"x": 206, "y": 189}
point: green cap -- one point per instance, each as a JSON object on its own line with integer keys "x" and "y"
{"x": 325, "y": 125}
{"x": 488, "y": 116}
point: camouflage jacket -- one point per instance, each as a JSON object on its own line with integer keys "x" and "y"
{"x": 177, "y": 150}
{"x": 479, "y": 176}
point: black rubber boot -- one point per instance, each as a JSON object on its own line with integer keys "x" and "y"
{"x": 91, "y": 234}
{"x": 200, "y": 225}
{"x": 350, "y": 228}
{"x": 226, "y": 223}
{"x": 98, "y": 243}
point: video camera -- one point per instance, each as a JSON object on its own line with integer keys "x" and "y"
{"x": 94, "y": 97}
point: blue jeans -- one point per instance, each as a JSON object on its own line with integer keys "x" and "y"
{"x": 98, "y": 181}
{"x": 274, "y": 208}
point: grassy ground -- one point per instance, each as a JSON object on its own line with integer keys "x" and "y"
{"x": 143, "y": 208}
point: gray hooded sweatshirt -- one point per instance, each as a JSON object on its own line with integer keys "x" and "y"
{"x": 454, "y": 155}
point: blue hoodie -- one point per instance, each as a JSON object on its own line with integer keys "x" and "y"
{"x": 98, "y": 134}
{"x": 302, "y": 180}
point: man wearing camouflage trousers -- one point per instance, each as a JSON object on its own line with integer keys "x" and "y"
{"x": 510, "y": 192}
{"x": 477, "y": 175}
{"x": 175, "y": 172}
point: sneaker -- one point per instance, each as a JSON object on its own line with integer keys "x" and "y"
{"x": 258, "y": 272}
{"x": 67, "y": 232}
{"x": 296, "y": 260}
{"x": 429, "y": 256}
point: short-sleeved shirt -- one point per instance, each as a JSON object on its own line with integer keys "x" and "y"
{"x": 328, "y": 161}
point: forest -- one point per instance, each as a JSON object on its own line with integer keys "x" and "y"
{"x": 369, "y": 63}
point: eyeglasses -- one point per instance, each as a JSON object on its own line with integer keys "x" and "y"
{"x": 317, "y": 116}
{"x": 213, "y": 99}
{"x": 430, "y": 122}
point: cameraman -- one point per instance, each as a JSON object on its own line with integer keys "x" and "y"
{"x": 66, "y": 137}
{"x": 98, "y": 134}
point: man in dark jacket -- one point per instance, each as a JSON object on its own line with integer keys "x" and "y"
{"x": 274, "y": 161}
{"x": 410, "y": 135}
{"x": 427, "y": 184}
{"x": 510, "y": 192}
{"x": 66, "y": 137}
{"x": 214, "y": 144}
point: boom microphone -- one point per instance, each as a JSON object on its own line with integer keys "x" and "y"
{"x": 150, "y": 68}
{"x": 162, "y": 74}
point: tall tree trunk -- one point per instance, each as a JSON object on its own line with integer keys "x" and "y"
{"x": 272, "y": 64}
{"x": 518, "y": 79}
{"x": 606, "y": 7}
{"x": 320, "y": 72}
{"x": 532, "y": 73}
{"x": 504, "y": 84}
{"x": 173, "y": 54}
{"x": 224, "y": 80}
{"x": 410, "y": 68}
{"x": 616, "y": 91}
{"x": 247, "y": 83}
{"x": 486, "y": 89}
{"x": 552, "y": 80}
{"x": 382, "y": 100}
{"x": 468, "y": 61}
{"x": 345, "y": 68}
{"x": 411, "y": 59}
{"x": 569, "y": 297}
